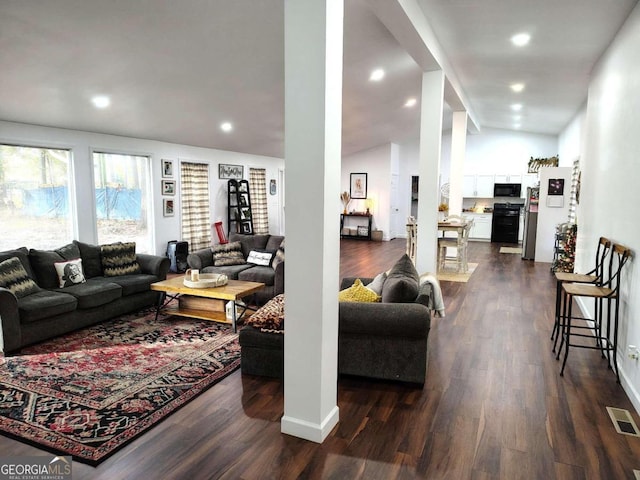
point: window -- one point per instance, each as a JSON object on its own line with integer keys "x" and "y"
{"x": 194, "y": 188}
{"x": 122, "y": 199}
{"x": 34, "y": 197}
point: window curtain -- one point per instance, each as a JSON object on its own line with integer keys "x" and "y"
{"x": 194, "y": 183}
{"x": 258, "y": 192}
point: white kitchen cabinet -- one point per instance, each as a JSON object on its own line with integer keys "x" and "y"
{"x": 480, "y": 186}
{"x": 481, "y": 229}
{"x": 511, "y": 178}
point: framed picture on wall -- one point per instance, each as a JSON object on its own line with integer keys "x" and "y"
{"x": 168, "y": 207}
{"x": 226, "y": 171}
{"x": 167, "y": 168}
{"x": 358, "y": 186}
{"x": 168, "y": 187}
{"x": 556, "y": 186}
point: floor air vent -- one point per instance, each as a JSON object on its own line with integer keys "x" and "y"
{"x": 623, "y": 421}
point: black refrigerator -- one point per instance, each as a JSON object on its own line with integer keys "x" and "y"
{"x": 530, "y": 223}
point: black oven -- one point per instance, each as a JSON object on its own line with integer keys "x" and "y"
{"x": 507, "y": 189}
{"x": 505, "y": 222}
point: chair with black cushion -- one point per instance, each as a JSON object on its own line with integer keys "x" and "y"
{"x": 594, "y": 276}
{"x": 609, "y": 290}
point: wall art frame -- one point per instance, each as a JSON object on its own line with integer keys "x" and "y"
{"x": 358, "y": 186}
{"x": 227, "y": 172}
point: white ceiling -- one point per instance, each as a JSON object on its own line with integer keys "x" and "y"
{"x": 176, "y": 70}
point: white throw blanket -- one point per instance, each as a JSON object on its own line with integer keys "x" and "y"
{"x": 436, "y": 294}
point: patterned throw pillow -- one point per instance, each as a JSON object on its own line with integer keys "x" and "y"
{"x": 279, "y": 256}
{"x": 227, "y": 254}
{"x": 70, "y": 273}
{"x": 358, "y": 293}
{"x": 269, "y": 317}
{"x": 119, "y": 259}
{"x": 15, "y": 278}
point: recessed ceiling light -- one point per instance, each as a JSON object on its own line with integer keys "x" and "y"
{"x": 517, "y": 87}
{"x": 520, "y": 39}
{"x": 226, "y": 126}
{"x": 516, "y": 107}
{"x": 517, "y": 126}
{"x": 377, "y": 75}
{"x": 101, "y": 101}
{"x": 410, "y": 102}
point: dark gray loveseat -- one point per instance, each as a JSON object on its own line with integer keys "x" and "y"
{"x": 376, "y": 340}
{"x": 52, "y": 311}
{"x": 273, "y": 278}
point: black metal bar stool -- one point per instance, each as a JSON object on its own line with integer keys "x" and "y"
{"x": 607, "y": 342}
{"x": 594, "y": 276}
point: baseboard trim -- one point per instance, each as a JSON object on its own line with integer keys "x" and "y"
{"x": 310, "y": 431}
{"x": 629, "y": 389}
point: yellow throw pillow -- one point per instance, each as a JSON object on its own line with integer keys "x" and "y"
{"x": 358, "y": 293}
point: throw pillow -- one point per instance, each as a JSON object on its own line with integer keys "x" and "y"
{"x": 377, "y": 283}
{"x": 43, "y": 263}
{"x": 119, "y": 259}
{"x": 70, "y": 273}
{"x": 269, "y": 317}
{"x": 228, "y": 254}
{"x": 401, "y": 285}
{"x": 279, "y": 256}
{"x": 260, "y": 257}
{"x": 358, "y": 293}
{"x": 15, "y": 278}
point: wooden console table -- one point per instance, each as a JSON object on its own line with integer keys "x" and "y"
{"x": 357, "y": 236}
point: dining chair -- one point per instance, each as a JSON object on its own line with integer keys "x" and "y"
{"x": 459, "y": 242}
{"x": 606, "y": 340}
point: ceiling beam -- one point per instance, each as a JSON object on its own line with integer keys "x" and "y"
{"x": 406, "y": 21}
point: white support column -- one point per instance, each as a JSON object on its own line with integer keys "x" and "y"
{"x": 458, "y": 152}
{"x": 430, "y": 141}
{"x": 313, "y": 129}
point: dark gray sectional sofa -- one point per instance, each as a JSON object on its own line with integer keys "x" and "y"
{"x": 382, "y": 340}
{"x": 273, "y": 278}
{"x": 51, "y": 311}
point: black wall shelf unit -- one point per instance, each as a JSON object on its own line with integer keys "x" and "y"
{"x": 239, "y": 218}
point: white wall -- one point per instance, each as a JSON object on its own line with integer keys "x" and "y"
{"x": 489, "y": 152}
{"x": 377, "y": 164}
{"x": 549, "y": 217}
{"x": 570, "y": 140}
{"x": 610, "y": 179}
{"x": 166, "y": 228}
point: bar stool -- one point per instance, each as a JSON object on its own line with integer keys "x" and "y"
{"x": 609, "y": 290}
{"x": 594, "y": 276}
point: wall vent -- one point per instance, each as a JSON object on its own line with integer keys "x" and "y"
{"x": 623, "y": 421}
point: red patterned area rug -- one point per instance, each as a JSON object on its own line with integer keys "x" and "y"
{"x": 88, "y": 393}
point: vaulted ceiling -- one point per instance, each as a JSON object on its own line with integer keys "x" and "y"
{"x": 176, "y": 70}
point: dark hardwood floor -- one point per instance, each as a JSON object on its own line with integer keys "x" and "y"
{"x": 493, "y": 407}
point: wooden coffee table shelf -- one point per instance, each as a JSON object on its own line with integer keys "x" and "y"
{"x": 204, "y": 303}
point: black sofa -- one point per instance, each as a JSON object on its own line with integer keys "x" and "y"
{"x": 376, "y": 340}
{"x": 273, "y": 278}
{"x": 51, "y": 311}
